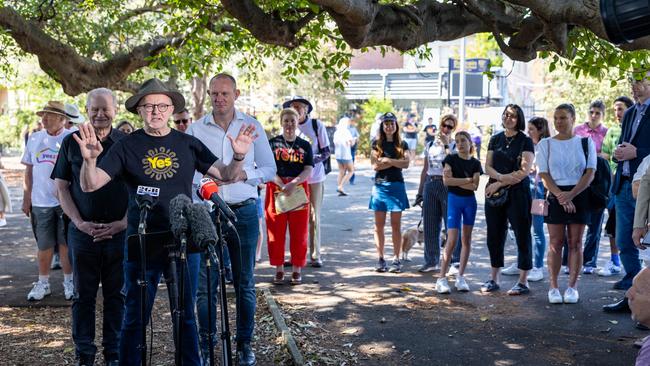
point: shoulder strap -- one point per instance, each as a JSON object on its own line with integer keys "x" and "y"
{"x": 585, "y": 150}
{"x": 314, "y": 125}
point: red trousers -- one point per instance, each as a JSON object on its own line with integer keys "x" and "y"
{"x": 276, "y": 228}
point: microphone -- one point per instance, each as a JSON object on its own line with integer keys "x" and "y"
{"x": 208, "y": 190}
{"x": 146, "y": 197}
{"x": 178, "y": 217}
{"x": 203, "y": 233}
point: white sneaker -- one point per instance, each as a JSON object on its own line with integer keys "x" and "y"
{"x": 610, "y": 269}
{"x": 39, "y": 291}
{"x": 461, "y": 284}
{"x": 571, "y": 296}
{"x": 442, "y": 286}
{"x": 536, "y": 274}
{"x": 68, "y": 289}
{"x": 3, "y": 222}
{"x": 565, "y": 269}
{"x": 554, "y": 296}
{"x": 511, "y": 271}
{"x": 453, "y": 270}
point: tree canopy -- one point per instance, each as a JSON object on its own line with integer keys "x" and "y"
{"x": 83, "y": 44}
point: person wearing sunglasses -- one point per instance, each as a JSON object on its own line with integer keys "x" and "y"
{"x": 432, "y": 193}
{"x": 182, "y": 120}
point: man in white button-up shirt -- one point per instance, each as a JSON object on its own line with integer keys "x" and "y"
{"x": 240, "y": 194}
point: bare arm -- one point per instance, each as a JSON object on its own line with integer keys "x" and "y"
{"x": 518, "y": 175}
{"x": 28, "y": 182}
{"x": 583, "y": 183}
{"x": 450, "y": 181}
{"x": 402, "y": 163}
{"x": 473, "y": 186}
{"x": 91, "y": 178}
{"x": 423, "y": 175}
{"x": 377, "y": 163}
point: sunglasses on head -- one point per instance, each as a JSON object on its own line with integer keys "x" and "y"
{"x": 183, "y": 121}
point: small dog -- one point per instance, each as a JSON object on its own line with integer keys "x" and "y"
{"x": 410, "y": 237}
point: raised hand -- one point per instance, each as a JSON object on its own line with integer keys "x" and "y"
{"x": 89, "y": 145}
{"x": 242, "y": 143}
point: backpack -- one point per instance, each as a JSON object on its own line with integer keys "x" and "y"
{"x": 598, "y": 190}
{"x": 326, "y": 163}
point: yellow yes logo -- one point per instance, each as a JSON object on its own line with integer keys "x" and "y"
{"x": 160, "y": 163}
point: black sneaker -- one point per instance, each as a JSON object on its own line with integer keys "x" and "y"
{"x": 381, "y": 266}
{"x": 519, "y": 289}
{"x": 396, "y": 266}
{"x": 489, "y": 286}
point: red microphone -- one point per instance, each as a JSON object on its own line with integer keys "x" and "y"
{"x": 209, "y": 191}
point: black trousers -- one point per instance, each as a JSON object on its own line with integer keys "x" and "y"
{"x": 517, "y": 212}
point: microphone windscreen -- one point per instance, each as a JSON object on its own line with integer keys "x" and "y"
{"x": 177, "y": 215}
{"x": 207, "y": 188}
{"x": 202, "y": 230}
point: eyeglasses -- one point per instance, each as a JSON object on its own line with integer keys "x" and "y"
{"x": 447, "y": 126}
{"x": 182, "y": 120}
{"x": 149, "y": 107}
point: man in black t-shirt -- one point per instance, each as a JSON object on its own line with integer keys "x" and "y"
{"x": 95, "y": 235}
{"x": 156, "y": 156}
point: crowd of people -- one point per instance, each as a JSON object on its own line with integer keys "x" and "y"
{"x": 82, "y": 179}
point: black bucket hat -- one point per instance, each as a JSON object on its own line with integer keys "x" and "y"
{"x": 154, "y": 86}
{"x": 300, "y": 99}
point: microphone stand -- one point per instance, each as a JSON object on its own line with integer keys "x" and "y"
{"x": 226, "y": 348}
{"x": 177, "y": 314}
{"x": 181, "y": 298}
{"x": 142, "y": 281}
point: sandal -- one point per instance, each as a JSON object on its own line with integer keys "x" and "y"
{"x": 296, "y": 278}
{"x": 279, "y": 278}
{"x": 518, "y": 289}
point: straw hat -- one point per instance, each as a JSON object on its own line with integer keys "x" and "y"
{"x": 54, "y": 107}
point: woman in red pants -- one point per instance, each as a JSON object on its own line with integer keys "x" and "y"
{"x": 294, "y": 160}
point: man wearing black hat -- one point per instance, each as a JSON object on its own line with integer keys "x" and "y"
{"x": 314, "y": 130}
{"x": 156, "y": 156}
{"x": 95, "y": 236}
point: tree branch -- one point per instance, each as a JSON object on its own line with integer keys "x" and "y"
{"x": 267, "y": 28}
{"x": 76, "y": 73}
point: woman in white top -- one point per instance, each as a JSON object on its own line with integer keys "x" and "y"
{"x": 343, "y": 142}
{"x": 432, "y": 193}
{"x": 566, "y": 173}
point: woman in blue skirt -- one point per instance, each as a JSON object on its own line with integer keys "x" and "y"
{"x": 389, "y": 156}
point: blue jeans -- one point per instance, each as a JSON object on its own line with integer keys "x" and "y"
{"x": 243, "y": 262}
{"x": 625, "y": 205}
{"x": 93, "y": 263}
{"x": 539, "y": 238}
{"x": 131, "y": 327}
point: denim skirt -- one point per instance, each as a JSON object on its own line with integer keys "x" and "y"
{"x": 389, "y": 196}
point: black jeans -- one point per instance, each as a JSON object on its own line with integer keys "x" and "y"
{"x": 517, "y": 212}
{"x": 93, "y": 263}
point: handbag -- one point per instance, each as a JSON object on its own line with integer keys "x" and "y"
{"x": 500, "y": 197}
{"x": 326, "y": 163}
{"x": 539, "y": 206}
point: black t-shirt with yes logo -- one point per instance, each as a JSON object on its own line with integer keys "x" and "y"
{"x": 166, "y": 162}
{"x": 291, "y": 157}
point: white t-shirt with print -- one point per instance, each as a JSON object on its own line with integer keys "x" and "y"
{"x": 307, "y": 132}
{"x": 566, "y": 163}
{"x": 41, "y": 152}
